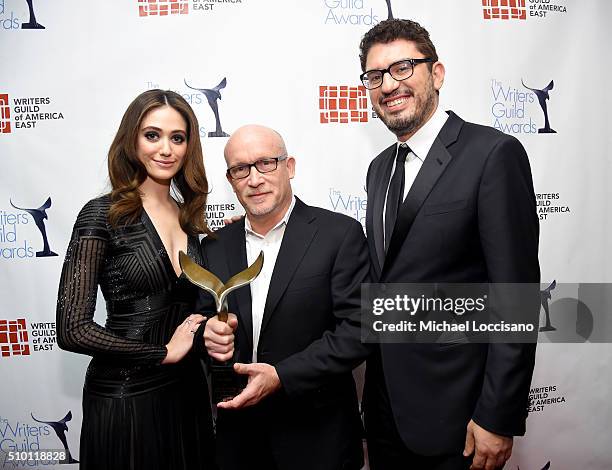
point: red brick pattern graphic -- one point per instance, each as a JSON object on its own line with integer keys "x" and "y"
{"x": 343, "y": 104}
{"x": 163, "y": 7}
{"x": 504, "y": 9}
{"x": 5, "y": 114}
{"x": 14, "y": 338}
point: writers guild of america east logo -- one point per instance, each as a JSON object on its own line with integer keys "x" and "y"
{"x": 60, "y": 428}
{"x": 39, "y": 215}
{"x": 570, "y": 312}
{"x": 545, "y": 296}
{"x": 542, "y": 96}
{"x": 213, "y": 96}
{"x": 389, "y": 12}
{"x": 32, "y": 23}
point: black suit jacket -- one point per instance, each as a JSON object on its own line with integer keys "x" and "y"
{"x": 310, "y": 332}
{"x": 469, "y": 217}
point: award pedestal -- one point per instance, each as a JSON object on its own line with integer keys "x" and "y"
{"x": 225, "y": 382}
{"x": 31, "y": 25}
{"x": 218, "y": 134}
{"x": 45, "y": 253}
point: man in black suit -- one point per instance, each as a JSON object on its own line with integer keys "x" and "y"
{"x": 459, "y": 209}
{"x": 298, "y": 323}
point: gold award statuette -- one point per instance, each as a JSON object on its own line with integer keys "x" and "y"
{"x": 225, "y": 383}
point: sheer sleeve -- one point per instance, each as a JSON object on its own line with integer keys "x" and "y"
{"x": 76, "y": 329}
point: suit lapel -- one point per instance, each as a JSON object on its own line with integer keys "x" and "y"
{"x": 296, "y": 240}
{"x": 378, "y": 186}
{"x": 235, "y": 250}
{"x": 435, "y": 164}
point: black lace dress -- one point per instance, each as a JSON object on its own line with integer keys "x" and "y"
{"x": 137, "y": 413}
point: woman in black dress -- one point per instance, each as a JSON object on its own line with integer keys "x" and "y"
{"x": 145, "y": 399}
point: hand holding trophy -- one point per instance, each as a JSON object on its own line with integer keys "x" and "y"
{"x": 225, "y": 383}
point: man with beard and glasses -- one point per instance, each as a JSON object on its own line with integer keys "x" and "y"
{"x": 449, "y": 201}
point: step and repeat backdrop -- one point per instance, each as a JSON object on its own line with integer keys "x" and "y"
{"x": 536, "y": 69}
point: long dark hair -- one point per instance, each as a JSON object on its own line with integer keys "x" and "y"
{"x": 127, "y": 172}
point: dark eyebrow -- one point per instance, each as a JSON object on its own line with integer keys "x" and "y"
{"x": 158, "y": 129}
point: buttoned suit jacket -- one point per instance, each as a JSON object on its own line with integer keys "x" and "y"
{"x": 469, "y": 217}
{"x": 310, "y": 332}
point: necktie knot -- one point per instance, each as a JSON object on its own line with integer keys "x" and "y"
{"x": 402, "y": 153}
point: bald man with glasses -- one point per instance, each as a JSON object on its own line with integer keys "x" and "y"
{"x": 295, "y": 331}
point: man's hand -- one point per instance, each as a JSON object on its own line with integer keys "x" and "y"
{"x": 492, "y": 450}
{"x": 263, "y": 380}
{"x": 219, "y": 337}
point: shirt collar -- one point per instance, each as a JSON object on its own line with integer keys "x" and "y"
{"x": 422, "y": 140}
{"x": 249, "y": 230}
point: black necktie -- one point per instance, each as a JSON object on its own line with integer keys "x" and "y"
{"x": 395, "y": 196}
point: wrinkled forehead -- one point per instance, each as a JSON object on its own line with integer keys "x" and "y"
{"x": 250, "y": 145}
{"x": 381, "y": 55}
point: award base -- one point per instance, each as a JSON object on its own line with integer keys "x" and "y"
{"x": 225, "y": 382}
{"x": 548, "y": 328}
{"x": 218, "y": 134}
{"x": 546, "y": 130}
{"x": 43, "y": 254}
{"x": 33, "y": 25}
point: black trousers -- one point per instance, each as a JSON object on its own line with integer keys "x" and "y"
{"x": 386, "y": 449}
{"x": 270, "y": 438}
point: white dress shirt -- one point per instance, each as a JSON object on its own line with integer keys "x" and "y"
{"x": 270, "y": 244}
{"x": 420, "y": 144}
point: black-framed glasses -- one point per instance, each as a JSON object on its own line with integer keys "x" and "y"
{"x": 400, "y": 70}
{"x": 264, "y": 165}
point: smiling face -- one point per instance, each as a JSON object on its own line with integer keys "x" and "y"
{"x": 404, "y": 106}
{"x": 265, "y": 196}
{"x": 162, "y": 143}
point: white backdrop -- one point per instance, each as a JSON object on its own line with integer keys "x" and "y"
{"x": 63, "y": 90}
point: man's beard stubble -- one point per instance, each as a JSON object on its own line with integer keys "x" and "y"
{"x": 408, "y": 125}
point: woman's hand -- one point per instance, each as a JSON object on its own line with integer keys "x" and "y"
{"x": 182, "y": 339}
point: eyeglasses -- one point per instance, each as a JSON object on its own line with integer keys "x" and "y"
{"x": 265, "y": 165}
{"x": 400, "y": 70}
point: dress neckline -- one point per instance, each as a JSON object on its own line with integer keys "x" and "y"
{"x": 167, "y": 259}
